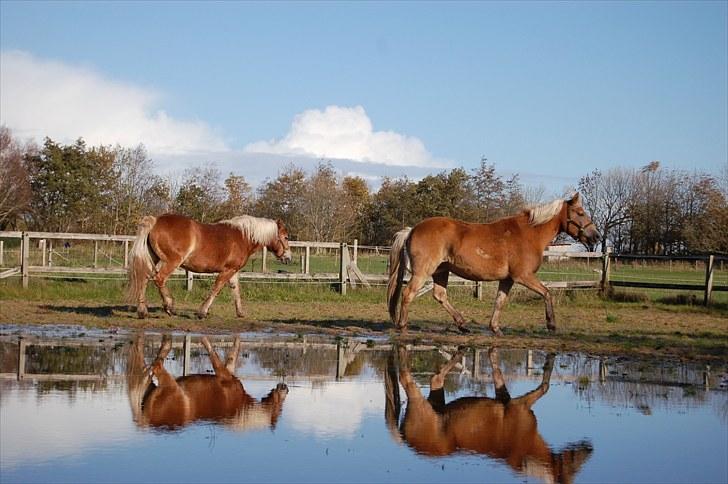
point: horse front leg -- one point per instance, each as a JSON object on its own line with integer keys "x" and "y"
{"x": 231, "y": 357}
{"x": 532, "y": 397}
{"x": 501, "y": 392}
{"x": 504, "y": 287}
{"x": 531, "y": 282}
{"x": 220, "y": 369}
{"x": 235, "y": 287}
{"x": 222, "y": 278}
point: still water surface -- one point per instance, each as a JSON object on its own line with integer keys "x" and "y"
{"x": 355, "y": 412}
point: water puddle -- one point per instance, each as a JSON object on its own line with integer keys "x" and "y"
{"x": 97, "y": 406}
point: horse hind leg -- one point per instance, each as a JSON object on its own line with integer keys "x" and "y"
{"x": 160, "y": 279}
{"x": 408, "y": 295}
{"x": 157, "y": 367}
{"x": 142, "y": 310}
{"x": 439, "y": 292}
{"x": 437, "y": 381}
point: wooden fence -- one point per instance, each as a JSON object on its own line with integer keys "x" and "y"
{"x": 348, "y": 273}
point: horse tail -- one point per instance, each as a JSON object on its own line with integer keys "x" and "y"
{"x": 142, "y": 264}
{"x": 398, "y": 266}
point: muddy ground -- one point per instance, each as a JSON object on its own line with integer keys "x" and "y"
{"x": 628, "y": 329}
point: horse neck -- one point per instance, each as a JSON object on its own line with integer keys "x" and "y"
{"x": 544, "y": 233}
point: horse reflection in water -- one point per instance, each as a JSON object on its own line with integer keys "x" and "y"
{"x": 502, "y": 428}
{"x": 175, "y": 402}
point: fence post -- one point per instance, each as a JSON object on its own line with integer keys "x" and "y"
{"x": 265, "y": 254}
{"x": 2, "y": 254}
{"x": 21, "y": 358}
{"x": 50, "y": 252}
{"x": 24, "y": 259}
{"x": 189, "y": 276}
{"x": 343, "y": 264}
{"x": 96, "y": 254}
{"x": 356, "y": 250}
{"x": 478, "y": 293}
{"x": 708, "y": 279}
{"x": 606, "y": 268}
{"x": 307, "y": 269}
{"x": 186, "y": 347}
{"x": 42, "y": 243}
{"x": 476, "y": 363}
{"x": 126, "y": 254}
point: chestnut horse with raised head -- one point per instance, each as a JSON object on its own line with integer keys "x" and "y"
{"x": 170, "y": 241}
{"x": 508, "y": 250}
{"x": 175, "y": 402}
{"x": 502, "y": 428}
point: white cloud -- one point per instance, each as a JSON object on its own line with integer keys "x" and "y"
{"x": 346, "y": 133}
{"x": 41, "y": 98}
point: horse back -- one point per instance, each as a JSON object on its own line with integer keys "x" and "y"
{"x": 212, "y": 397}
{"x": 472, "y": 251}
{"x": 199, "y": 247}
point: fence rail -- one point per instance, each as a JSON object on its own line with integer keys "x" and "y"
{"x": 344, "y": 272}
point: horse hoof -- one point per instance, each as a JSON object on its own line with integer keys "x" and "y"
{"x": 497, "y": 332}
{"x": 552, "y": 329}
{"x": 170, "y": 312}
{"x": 142, "y": 315}
{"x": 201, "y": 315}
{"x": 463, "y": 330}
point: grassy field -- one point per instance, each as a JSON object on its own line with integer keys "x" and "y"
{"x": 650, "y": 323}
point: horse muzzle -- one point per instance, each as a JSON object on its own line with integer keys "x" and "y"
{"x": 591, "y": 237}
{"x": 286, "y": 257}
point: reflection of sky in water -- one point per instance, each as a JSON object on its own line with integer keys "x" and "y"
{"x": 335, "y": 431}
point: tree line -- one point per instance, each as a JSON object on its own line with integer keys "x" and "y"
{"x": 76, "y": 188}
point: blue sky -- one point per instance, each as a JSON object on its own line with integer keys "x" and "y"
{"x": 539, "y": 88}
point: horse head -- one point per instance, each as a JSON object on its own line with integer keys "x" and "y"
{"x": 578, "y": 224}
{"x": 280, "y": 246}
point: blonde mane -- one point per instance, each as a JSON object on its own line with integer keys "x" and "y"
{"x": 259, "y": 230}
{"x": 543, "y": 213}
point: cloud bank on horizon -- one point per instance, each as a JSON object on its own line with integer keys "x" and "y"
{"x": 41, "y": 97}
{"x": 346, "y": 133}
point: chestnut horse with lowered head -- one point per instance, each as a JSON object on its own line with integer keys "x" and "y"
{"x": 170, "y": 241}
{"x": 508, "y": 250}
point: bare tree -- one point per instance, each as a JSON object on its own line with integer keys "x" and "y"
{"x": 15, "y": 193}
{"x": 607, "y": 198}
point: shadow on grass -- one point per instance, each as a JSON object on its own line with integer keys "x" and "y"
{"x": 691, "y": 300}
{"x": 98, "y": 311}
{"x": 364, "y": 324}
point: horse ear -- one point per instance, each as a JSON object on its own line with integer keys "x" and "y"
{"x": 575, "y": 199}
{"x": 279, "y": 223}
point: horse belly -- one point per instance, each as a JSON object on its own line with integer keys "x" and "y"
{"x": 212, "y": 261}
{"x": 478, "y": 268}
